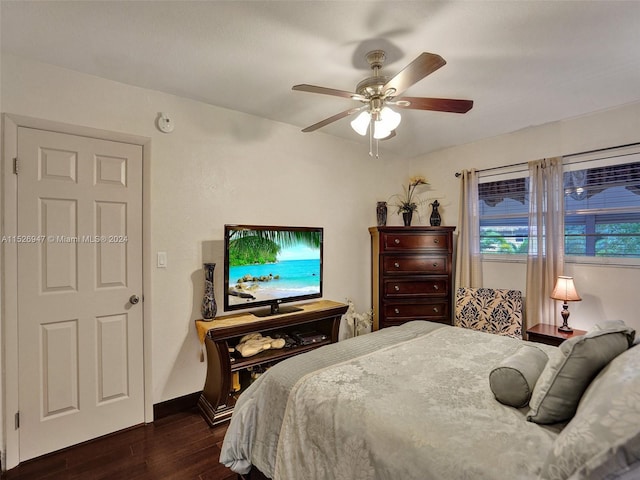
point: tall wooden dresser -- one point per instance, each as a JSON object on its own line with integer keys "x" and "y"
{"x": 411, "y": 274}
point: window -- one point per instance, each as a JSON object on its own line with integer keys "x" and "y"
{"x": 602, "y": 211}
{"x": 504, "y": 216}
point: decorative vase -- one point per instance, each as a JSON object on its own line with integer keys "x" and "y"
{"x": 381, "y": 213}
{"x": 406, "y": 217}
{"x": 435, "y": 219}
{"x": 209, "y": 306}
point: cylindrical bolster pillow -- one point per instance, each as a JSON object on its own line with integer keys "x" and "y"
{"x": 512, "y": 381}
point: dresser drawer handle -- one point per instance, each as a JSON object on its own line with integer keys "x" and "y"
{"x": 435, "y": 310}
{"x": 397, "y": 265}
{"x": 397, "y": 310}
{"x": 396, "y": 288}
{"x": 435, "y": 264}
{"x": 436, "y": 240}
{"x": 396, "y": 241}
{"x": 436, "y": 287}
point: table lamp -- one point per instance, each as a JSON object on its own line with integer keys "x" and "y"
{"x": 565, "y": 290}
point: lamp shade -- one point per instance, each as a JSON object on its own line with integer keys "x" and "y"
{"x": 565, "y": 290}
{"x": 390, "y": 118}
{"x": 379, "y": 131}
{"x": 361, "y": 123}
{"x": 385, "y": 122}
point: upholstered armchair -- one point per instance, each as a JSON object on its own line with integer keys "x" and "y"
{"x": 491, "y": 310}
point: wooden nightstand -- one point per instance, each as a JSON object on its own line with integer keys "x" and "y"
{"x": 549, "y": 334}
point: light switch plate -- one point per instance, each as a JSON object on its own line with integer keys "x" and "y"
{"x": 162, "y": 259}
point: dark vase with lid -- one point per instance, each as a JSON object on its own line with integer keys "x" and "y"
{"x": 381, "y": 213}
{"x": 209, "y": 306}
{"x": 435, "y": 219}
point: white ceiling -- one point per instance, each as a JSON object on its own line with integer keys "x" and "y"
{"x": 523, "y": 62}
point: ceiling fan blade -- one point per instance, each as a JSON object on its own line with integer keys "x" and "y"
{"x": 332, "y": 119}
{"x": 422, "y": 66}
{"x": 436, "y": 104}
{"x": 327, "y": 91}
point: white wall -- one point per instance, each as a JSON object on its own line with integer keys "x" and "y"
{"x": 607, "y": 292}
{"x": 221, "y": 166}
{"x": 218, "y": 166}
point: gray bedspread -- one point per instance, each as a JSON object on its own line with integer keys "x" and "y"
{"x": 410, "y": 402}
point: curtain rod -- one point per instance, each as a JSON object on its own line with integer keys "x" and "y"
{"x": 457, "y": 174}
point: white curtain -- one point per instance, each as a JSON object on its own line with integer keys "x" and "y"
{"x": 468, "y": 257}
{"x": 545, "y": 260}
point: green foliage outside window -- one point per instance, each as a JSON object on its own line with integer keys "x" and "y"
{"x": 602, "y": 213}
{"x": 492, "y": 241}
{"x": 614, "y": 238}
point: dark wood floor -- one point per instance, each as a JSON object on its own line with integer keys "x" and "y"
{"x": 177, "y": 447}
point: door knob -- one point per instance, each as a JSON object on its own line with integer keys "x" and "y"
{"x": 133, "y": 299}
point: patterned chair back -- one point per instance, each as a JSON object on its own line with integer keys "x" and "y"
{"x": 491, "y": 310}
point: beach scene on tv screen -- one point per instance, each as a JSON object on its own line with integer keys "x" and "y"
{"x": 273, "y": 265}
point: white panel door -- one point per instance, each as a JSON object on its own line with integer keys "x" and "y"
{"x": 79, "y": 266}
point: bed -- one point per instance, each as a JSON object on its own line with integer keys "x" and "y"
{"x": 415, "y": 402}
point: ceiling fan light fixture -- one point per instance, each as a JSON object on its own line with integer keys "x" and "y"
{"x": 390, "y": 118}
{"x": 378, "y": 91}
{"x": 379, "y": 132}
{"x": 361, "y": 123}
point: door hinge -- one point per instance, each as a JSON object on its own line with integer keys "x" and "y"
{"x": 17, "y": 420}
{"x": 15, "y": 166}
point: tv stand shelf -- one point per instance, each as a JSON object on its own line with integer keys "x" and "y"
{"x": 218, "y": 398}
{"x": 271, "y": 356}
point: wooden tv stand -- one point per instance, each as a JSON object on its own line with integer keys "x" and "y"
{"x": 218, "y": 398}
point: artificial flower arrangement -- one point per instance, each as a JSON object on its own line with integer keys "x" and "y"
{"x": 409, "y": 201}
{"x": 357, "y": 322}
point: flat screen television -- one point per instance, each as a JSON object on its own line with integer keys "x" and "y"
{"x": 271, "y": 265}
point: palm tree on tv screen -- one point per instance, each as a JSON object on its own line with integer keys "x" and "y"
{"x": 248, "y": 247}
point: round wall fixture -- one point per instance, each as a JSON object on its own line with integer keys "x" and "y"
{"x": 164, "y": 123}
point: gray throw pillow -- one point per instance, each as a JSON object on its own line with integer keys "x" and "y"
{"x": 513, "y": 380}
{"x": 569, "y": 372}
{"x": 602, "y": 441}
